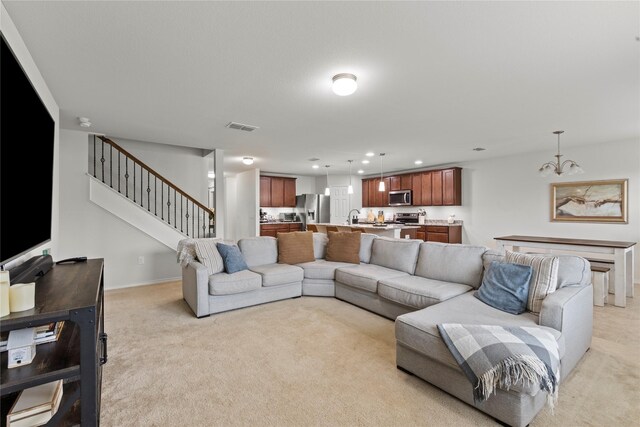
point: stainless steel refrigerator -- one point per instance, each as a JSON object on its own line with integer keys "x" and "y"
{"x": 313, "y": 209}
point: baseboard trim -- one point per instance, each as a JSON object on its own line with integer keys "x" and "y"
{"x": 151, "y": 282}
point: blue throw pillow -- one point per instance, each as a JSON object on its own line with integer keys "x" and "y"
{"x": 506, "y": 287}
{"x": 232, "y": 258}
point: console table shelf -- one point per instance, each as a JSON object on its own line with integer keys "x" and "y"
{"x": 73, "y": 293}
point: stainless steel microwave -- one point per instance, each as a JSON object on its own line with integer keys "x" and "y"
{"x": 400, "y": 198}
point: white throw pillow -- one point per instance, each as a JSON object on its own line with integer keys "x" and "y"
{"x": 208, "y": 255}
{"x": 544, "y": 278}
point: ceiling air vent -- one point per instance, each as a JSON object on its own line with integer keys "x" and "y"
{"x": 241, "y": 126}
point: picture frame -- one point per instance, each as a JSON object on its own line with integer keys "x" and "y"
{"x": 590, "y": 201}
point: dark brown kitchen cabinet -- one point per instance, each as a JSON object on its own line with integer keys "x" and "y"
{"x": 452, "y": 187}
{"x": 385, "y": 193}
{"x": 395, "y": 183}
{"x": 440, "y": 233}
{"x": 277, "y": 192}
{"x": 427, "y": 189}
{"x": 373, "y": 192}
{"x": 405, "y": 181}
{"x": 416, "y": 189}
{"x": 265, "y": 191}
{"x": 365, "y": 193}
{"x": 436, "y": 188}
{"x": 272, "y": 230}
{"x": 290, "y": 192}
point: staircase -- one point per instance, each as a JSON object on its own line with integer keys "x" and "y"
{"x": 130, "y": 189}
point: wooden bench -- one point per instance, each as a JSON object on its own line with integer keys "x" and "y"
{"x": 600, "y": 281}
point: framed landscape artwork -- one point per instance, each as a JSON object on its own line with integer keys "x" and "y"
{"x": 591, "y": 201}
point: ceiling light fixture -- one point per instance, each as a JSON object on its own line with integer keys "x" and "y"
{"x": 344, "y": 84}
{"x": 557, "y": 167}
{"x": 365, "y": 162}
{"x": 247, "y": 160}
{"x": 360, "y": 171}
{"x": 350, "y": 187}
{"x": 381, "y": 184}
{"x": 84, "y": 122}
{"x": 315, "y": 166}
{"x": 370, "y": 154}
{"x": 327, "y": 190}
{"x": 418, "y": 162}
{"x": 211, "y": 175}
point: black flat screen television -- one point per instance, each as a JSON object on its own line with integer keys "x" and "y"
{"x": 26, "y": 161}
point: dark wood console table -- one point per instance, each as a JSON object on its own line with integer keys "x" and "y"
{"x": 622, "y": 254}
{"x": 73, "y": 293}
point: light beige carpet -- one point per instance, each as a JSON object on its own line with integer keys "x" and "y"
{"x": 316, "y": 361}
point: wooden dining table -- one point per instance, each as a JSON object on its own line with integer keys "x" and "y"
{"x": 621, "y": 253}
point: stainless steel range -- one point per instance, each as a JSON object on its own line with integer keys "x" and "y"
{"x": 407, "y": 218}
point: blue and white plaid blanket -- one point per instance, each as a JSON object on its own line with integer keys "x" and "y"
{"x": 497, "y": 356}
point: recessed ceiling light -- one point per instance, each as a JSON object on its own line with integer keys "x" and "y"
{"x": 418, "y": 162}
{"x": 360, "y": 171}
{"x": 211, "y": 174}
{"x": 370, "y": 154}
{"x": 247, "y": 160}
{"x": 365, "y": 162}
{"x": 479, "y": 149}
{"x": 315, "y": 166}
{"x": 344, "y": 84}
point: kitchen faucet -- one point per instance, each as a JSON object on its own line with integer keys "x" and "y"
{"x": 349, "y": 215}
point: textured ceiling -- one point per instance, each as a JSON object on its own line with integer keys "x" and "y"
{"x": 435, "y": 78}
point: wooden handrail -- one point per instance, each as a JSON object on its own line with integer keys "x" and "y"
{"x": 150, "y": 169}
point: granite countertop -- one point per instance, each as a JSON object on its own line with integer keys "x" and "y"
{"x": 456, "y": 223}
{"x": 280, "y": 222}
{"x": 386, "y": 227}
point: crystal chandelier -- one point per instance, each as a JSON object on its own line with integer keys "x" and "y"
{"x": 557, "y": 167}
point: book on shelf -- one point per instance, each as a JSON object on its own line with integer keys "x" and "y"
{"x": 35, "y": 406}
{"x": 43, "y": 334}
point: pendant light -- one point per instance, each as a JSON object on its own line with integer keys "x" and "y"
{"x": 327, "y": 190}
{"x": 350, "y": 187}
{"x": 381, "y": 184}
{"x": 557, "y": 167}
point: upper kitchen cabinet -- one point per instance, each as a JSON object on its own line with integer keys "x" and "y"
{"x": 436, "y": 188}
{"x": 277, "y": 192}
{"x": 452, "y": 187}
{"x": 365, "y": 193}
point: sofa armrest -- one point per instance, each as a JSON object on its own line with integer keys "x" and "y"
{"x": 195, "y": 288}
{"x": 570, "y": 311}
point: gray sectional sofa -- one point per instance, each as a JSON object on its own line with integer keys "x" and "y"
{"x": 419, "y": 285}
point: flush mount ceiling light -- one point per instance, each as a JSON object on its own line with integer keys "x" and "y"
{"x": 365, "y": 162}
{"x": 557, "y": 167}
{"x": 360, "y": 171}
{"x": 418, "y": 162}
{"x": 381, "y": 186}
{"x": 350, "y": 187}
{"x": 370, "y": 154}
{"x": 84, "y": 122}
{"x": 327, "y": 190}
{"x": 315, "y": 166}
{"x": 247, "y": 160}
{"x": 344, "y": 84}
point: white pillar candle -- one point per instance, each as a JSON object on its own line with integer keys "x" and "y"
{"x": 4, "y": 293}
{"x": 22, "y": 296}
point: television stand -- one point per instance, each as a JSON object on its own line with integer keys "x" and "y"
{"x": 31, "y": 269}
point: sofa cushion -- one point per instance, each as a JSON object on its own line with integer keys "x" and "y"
{"x": 227, "y": 284}
{"x": 296, "y": 247}
{"x": 418, "y": 292}
{"x": 418, "y": 330}
{"x": 544, "y": 278}
{"x": 366, "y": 242}
{"x": 366, "y": 276}
{"x": 278, "y": 274}
{"x": 232, "y": 258}
{"x": 506, "y": 287}
{"x": 320, "y": 241}
{"x": 397, "y": 254}
{"x": 207, "y": 253}
{"x": 321, "y": 269}
{"x": 451, "y": 263}
{"x": 572, "y": 270}
{"x": 343, "y": 247}
{"x": 259, "y": 250}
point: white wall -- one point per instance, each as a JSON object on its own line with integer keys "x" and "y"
{"x": 247, "y": 204}
{"x": 12, "y": 36}
{"x": 88, "y": 230}
{"x": 231, "y": 203}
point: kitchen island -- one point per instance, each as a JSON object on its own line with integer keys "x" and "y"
{"x": 397, "y": 231}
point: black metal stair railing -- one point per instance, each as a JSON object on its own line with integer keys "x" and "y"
{"x": 184, "y": 213}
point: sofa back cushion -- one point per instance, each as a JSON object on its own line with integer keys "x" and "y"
{"x": 451, "y": 263}
{"x": 544, "y": 278}
{"x": 320, "y": 245}
{"x": 398, "y": 254}
{"x": 295, "y": 247}
{"x": 572, "y": 270}
{"x": 206, "y": 252}
{"x": 366, "y": 244}
{"x": 259, "y": 250}
{"x": 343, "y": 247}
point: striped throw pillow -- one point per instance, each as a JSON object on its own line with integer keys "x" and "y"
{"x": 207, "y": 253}
{"x": 544, "y": 278}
